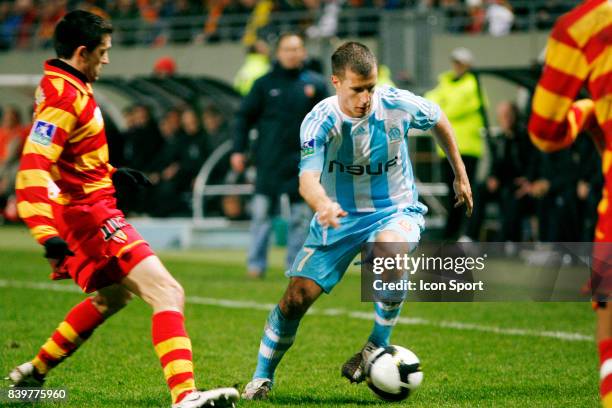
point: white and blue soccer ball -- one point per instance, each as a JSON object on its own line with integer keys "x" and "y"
{"x": 392, "y": 372}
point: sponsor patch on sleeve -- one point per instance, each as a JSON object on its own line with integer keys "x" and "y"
{"x": 42, "y": 132}
{"x": 308, "y": 148}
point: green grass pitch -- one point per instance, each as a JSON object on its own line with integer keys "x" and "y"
{"x": 473, "y": 355}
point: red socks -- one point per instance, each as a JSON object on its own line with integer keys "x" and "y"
{"x": 173, "y": 347}
{"x": 78, "y": 325}
{"x": 605, "y": 371}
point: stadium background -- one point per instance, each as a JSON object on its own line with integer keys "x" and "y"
{"x": 473, "y": 354}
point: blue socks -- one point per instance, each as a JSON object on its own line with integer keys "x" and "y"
{"x": 278, "y": 336}
{"x": 386, "y": 315}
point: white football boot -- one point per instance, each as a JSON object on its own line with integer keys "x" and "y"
{"x": 257, "y": 389}
{"x": 354, "y": 368}
{"x": 25, "y": 375}
{"x": 217, "y": 397}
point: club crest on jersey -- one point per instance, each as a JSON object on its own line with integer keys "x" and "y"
{"x": 308, "y": 148}
{"x": 42, "y": 132}
{"x": 112, "y": 230}
{"x": 394, "y": 135}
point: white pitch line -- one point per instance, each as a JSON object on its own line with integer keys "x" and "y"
{"x": 412, "y": 321}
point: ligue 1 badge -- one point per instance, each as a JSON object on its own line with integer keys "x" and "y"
{"x": 42, "y": 132}
{"x": 308, "y": 148}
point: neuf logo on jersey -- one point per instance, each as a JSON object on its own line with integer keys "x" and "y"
{"x": 360, "y": 170}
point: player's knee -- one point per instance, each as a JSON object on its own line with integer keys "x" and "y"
{"x": 171, "y": 294}
{"x": 390, "y": 243}
{"x": 111, "y": 304}
{"x": 295, "y": 303}
{"x": 388, "y": 236}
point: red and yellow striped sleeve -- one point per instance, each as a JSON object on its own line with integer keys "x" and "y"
{"x": 54, "y": 119}
{"x": 556, "y": 118}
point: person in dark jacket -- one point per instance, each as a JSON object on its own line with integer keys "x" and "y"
{"x": 187, "y": 150}
{"x": 276, "y": 106}
{"x": 512, "y": 159}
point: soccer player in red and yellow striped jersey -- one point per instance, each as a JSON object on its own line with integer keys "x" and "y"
{"x": 66, "y": 195}
{"x": 579, "y": 54}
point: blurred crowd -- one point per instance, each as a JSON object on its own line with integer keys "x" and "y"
{"x": 171, "y": 152}
{"x": 29, "y": 23}
{"x": 528, "y": 195}
{"x": 13, "y": 131}
{"x": 523, "y": 196}
{"x": 500, "y": 17}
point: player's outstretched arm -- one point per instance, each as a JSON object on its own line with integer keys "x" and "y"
{"x": 445, "y": 137}
{"x": 556, "y": 119}
{"x": 328, "y": 212}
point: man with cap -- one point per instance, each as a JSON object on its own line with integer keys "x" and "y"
{"x": 459, "y": 95}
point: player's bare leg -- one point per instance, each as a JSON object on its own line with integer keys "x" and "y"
{"x": 604, "y": 341}
{"x": 604, "y": 323}
{"x": 152, "y": 282}
{"x": 111, "y": 299}
{"x": 77, "y": 327}
{"x": 279, "y": 333}
{"x": 299, "y": 296}
{"x": 386, "y": 313}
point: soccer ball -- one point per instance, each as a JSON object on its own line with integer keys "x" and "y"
{"x": 392, "y": 372}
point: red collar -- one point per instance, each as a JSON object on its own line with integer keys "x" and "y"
{"x": 58, "y": 68}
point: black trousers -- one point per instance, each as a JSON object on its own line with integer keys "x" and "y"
{"x": 456, "y": 216}
{"x": 512, "y": 212}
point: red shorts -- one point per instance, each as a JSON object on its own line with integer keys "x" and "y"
{"x": 105, "y": 246}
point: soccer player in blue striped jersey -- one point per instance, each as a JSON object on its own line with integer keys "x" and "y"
{"x": 356, "y": 174}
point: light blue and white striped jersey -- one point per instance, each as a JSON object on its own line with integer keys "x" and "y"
{"x": 364, "y": 162}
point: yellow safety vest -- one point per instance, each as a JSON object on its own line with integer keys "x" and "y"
{"x": 460, "y": 101}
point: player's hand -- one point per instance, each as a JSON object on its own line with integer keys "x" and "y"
{"x": 329, "y": 214}
{"x": 238, "y": 162}
{"x": 539, "y": 188}
{"x": 126, "y": 177}
{"x": 463, "y": 194}
{"x": 523, "y": 189}
{"x": 56, "y": 250}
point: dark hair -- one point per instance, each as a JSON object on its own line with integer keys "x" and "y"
{"x": 288, "y": 34}
{"x": 79, "y": 28}
{"x": 354, "y": 56}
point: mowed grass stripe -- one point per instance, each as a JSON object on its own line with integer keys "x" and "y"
{"x": 251, "y": 305}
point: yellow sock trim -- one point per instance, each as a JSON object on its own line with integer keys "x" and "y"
{"x": 178, "y": 367}
{"x": 54, "y": 350}
{"x": 67, "y": 332}
{"x": 181, "y": 388}
{"x": 173, "y": 343}
{"x": 40, "y": 365}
